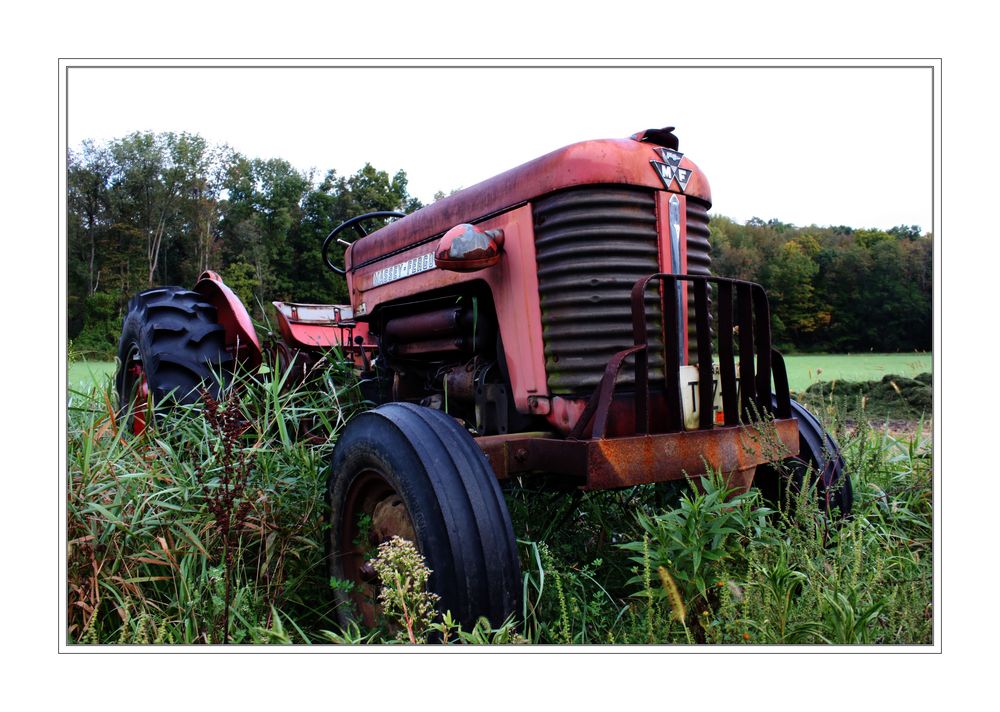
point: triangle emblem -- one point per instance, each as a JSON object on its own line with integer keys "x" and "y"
{"x": 683, "y": 176}
{"x": 665, "y": 172}
{"x": 671, "y": 157}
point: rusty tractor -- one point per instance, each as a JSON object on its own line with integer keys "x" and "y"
{"x": 559, "y": 318}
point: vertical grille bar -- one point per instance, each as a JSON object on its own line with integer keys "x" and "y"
{"x": 781, "y": 394}
{"x": 748, "y": 391}
{"x": 727, "y": 364}
{"x": 763, "y": 318}
{"x": 641, "y": 357}
{"x": 705, "y": 395}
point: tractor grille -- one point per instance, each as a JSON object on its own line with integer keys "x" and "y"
{"x": 698, "y": 263}
{"x": 592, "y": 245}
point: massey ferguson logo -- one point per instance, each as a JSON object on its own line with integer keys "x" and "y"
{"x": 670, "y": 169}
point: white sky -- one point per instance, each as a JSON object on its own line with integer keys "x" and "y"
{"x": 816, "y": 145}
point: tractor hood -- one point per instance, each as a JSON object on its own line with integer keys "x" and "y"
{"x": 628, "y": 161}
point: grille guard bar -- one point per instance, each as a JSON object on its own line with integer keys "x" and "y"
{"x": 745, "y": 399}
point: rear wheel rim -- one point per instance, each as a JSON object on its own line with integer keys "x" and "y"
{"x": 373, "y": 514}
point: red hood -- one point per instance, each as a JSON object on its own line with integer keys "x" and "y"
{"x": 590, "y": 162}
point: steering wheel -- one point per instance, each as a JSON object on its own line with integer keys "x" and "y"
{"x": 356, "y": 224}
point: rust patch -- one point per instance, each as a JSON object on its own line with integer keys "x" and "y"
{"x": 622, "y": 462}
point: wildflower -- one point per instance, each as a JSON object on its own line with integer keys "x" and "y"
{"x": 746, "y": 636}
{"x": 405, "y": 599}
{"x": 720, "y": 584}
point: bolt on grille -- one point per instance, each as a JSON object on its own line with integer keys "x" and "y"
{"x": 744, "y": 318}
{"x": 744, "y": 323}
{"x": 592, "y": 244}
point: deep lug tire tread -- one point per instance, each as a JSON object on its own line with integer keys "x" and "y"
{"x": 182, "y": 348}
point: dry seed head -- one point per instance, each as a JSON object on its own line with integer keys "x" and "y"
{"x": 678, "y": 611}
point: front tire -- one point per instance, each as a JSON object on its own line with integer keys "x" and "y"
{"x": 409, "y": 471}
{"x": 819, "y": 457}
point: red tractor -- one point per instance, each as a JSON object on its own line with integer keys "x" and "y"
{"x": 558, "y": 318}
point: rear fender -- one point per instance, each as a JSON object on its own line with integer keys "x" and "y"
{"x": 320, "y": 327}
{"x": 241, "y": 337}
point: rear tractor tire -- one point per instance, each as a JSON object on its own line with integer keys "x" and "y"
{"x": 408, "y": 471}
{"x": 170, "y": 350}
{"x": 819, "y": 457}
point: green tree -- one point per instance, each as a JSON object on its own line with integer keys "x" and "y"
{"x": 260, "y": 217}
{"x": 842, "y": 283}
{"x": 87, "y": 177}
{"x": 335, "y": 200}
{"x": 154, "y": 174}
{"x": 790, "y": 278}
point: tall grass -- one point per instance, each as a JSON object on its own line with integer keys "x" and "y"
{"x": 652, "y": 564}
{"x": 736, "y": 570}
{"x": 147, "y": 561}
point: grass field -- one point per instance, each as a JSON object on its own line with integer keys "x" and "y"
{"x": 803, "y": 370}
{"x": 84, "y": 374}
{"x": 807, "y": 369}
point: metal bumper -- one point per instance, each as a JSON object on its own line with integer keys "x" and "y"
{"x": 606, "y": 463}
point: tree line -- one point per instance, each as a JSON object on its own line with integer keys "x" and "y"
{"x": 152, "y": 209}
{"x": 836, "y": 289}
{"x": 160, "y": 208}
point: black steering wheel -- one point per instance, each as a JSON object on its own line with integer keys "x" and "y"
{"x": 356, "y": 224}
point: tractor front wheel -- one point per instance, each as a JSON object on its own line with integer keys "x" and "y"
{"x": 170, "y": 349}
{"x": 820, "y": 459}
{"x": 413, "y": 472}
